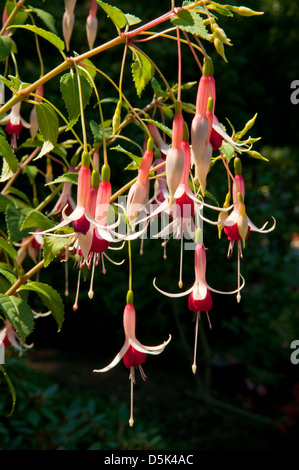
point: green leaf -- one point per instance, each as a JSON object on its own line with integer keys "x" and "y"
{"x": 132, "y": 19}
{"x": 116, "y": 15}
{"x": 161, "y": 126}
{"x": 52, "y": 247}
{"x": 50, "y": 37}
{"x": 70, "y": 93}
{"x": 7, "y": 153}
{"x": 48, "y": 122}
{"x": 5, "y": 202}
{"x": 97, "y": 133}
{"x": 20, "y": 17}
{"x": 227, "y": 150}
{"x": 11, "y": 389}
{"x": 50, "y": 298}
{"x": 136, "y": 160}
{"x": 36, "y": 220}
{"x": 9, "y": 249}
{"x": 19, "y": 314}
{"x": 7, "y": 45}
{"x": 191, "y": 22}
{"x": 8, "y": 273}
{"x": 66, "y": 178}
{"x": 222, "y": 9}
{"x": 142, "y": 70}
{"x": 14, "y": 220}
{"x": 46, "y": 17}
{"x": 46, "y": 148}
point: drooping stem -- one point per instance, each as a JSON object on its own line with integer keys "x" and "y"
{"x": 23, "y": 279}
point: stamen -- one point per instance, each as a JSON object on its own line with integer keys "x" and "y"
{"x": 66, "y": 270}
{"x": 238, "y": 294}
{"x": 75, "y": 306}
{"x": 132, "y": 378}
{"x": 194, "y": 366}
{"x": 181, "y": 258}
{"x": 208, "y": 317}
{"x": 104, "y": 270}
{"x": 91, "y": 292}
{"x": 143, "y": 376}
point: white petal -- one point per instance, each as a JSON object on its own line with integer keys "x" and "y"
{"x": 168, "y": 294}
{"x": 116, "y": 360}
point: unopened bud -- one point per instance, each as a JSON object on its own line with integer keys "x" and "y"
{"x": 130, "y": 297}
{"x": 257, "y": 155}
{"x": 116, "y": 117}
{"x": 244, "y": 11}
{"x": 198, "y": 236}
{"x": 67, "y": 28}
{"x": 220, "y": 48}
{"x": 237, "y": 166}
{"x": 91, "y": 30}
{"x": 95, "y": 179}
{"x": 85, "y": 159}
{"x": 105, "y": 173}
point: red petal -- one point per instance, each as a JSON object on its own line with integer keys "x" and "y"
{"x": 133, "y": 358}
{"x": 201, "y": 305}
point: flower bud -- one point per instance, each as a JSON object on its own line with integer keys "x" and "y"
{"x": 174, "y": 170}
{"x": 220, "y": 48}
{"x": 67, "y": 28}
{"x": 91, "y": 30}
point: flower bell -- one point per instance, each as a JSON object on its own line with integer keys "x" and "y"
{"x": 138, "y": 193}
{"x": 200, "y": 298}
{"x": 175, "y": 155}
{"x": 15, "y": 124}
{"x": 132, "y": 352}
{"x": 238, "y": 225}
{"x": 202, "y": 123}
{"x": 92, "y": 24}
{"x": 33, "y": 115}
{"x": 8, "y": 337}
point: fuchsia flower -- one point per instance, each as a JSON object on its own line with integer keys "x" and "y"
{"x": 200, "y": 298}
{"x": 238, "y": 225}
{"x": 68, "y": 21}
{"x": 78, "y": 217}
{"x": 175, "y": 155}
{"x": 33, "y": 115}
{"x": 133, "y": 352}
{"x": 139, "y": 192}
{"x": 30, "y": 246}
{"x": 92, "y": 23}
{"x": 8, "y": 337}
{"x": 65, "y": 200}
{"x": 202, "y": 123}
{"x": 15, "y": 124}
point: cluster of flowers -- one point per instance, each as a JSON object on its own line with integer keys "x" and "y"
{"x": 174, "y": 177}
{"x": 68, "y": 21}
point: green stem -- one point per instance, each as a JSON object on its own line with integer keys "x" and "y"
{"x": 23, "y": 279}
{"x": 12, "y": 15}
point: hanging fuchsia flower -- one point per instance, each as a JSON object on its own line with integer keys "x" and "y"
{"x": 175, "y": 155}
{"x": 30, "y": 246}
{"x": 139, "y": 192}
{"x": 238, "y": 225}
{"x": 33, "y": 115}
{"x": 200, "y": 298}
{"x": 202, "y": 123}
{"x": 8, "y": 337}
{"x": 15, "y": 124}
{"x": 133, "y": 352}
{"x": 65, "y": 200}
{"x": 92, "y": 23}
{"x": 79, "y": 217}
